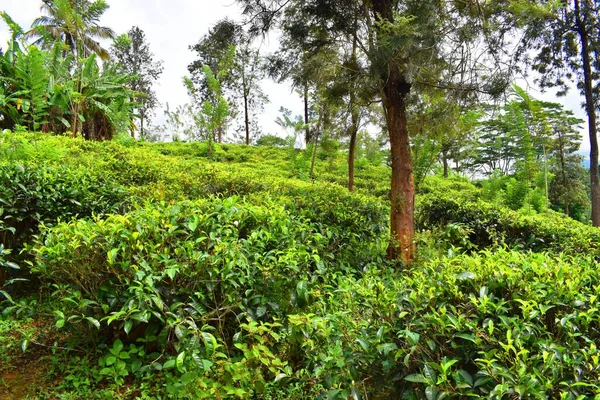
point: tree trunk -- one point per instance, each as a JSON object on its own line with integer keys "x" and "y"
{"x": 591, "y": 113}
{"x": 220, "y": 134}
{"x": 402, "y": 194}
{"x": 445, "y": 163}
{"x": 314, "y": 157}
{"x": 142, "y": 133}
{"x": 307, "y": 135}
{"x": 75, "y": 121}
{"x": 563, "y": 170}
{"x": 351, "y": 154}
{"x": 354, "y": 115}
{"x": 246, "y": 118}
{"x": 316, "y": 132}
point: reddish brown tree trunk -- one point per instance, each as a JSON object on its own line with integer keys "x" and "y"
{"x": 591, "y": 113}
{"x": 402, "y": 196}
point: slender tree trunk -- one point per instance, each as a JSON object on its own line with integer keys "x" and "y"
{"x": 75, "y": 120}
{"x": 246, "y": 117}
{"x": 220, "y": 134}
{"x": 563, "y": 170}
{"x": 445, "y": 163}
{"x": 351, "y": 153}
{"x": 354, "y": 115}
{"x": 591, "y": 113}
{"x": 142, "y": 133}
{"x": 307, "y": 135}
{"x": 316, "y": 132}
{"x": 314, "y": 156}
{"x": 402, "y": 194}
{"x": 546, "y": 177}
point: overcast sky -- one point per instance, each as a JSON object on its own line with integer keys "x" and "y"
{"x": 172, "y": 26}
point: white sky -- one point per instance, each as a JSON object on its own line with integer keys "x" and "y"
{"x": 172, "y": 26}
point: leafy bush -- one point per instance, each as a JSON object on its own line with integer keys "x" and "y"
{"x": 185, "y": 277}
{"x": 33, "y": 193}
{"x": 516, "y": 193}
{"x": 491, "y": 225}
{"x": 493, "y": 325}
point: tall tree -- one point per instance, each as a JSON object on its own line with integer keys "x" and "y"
{"x": 241, "y": 82}
{"x": 408, "y": 44}
{"x": 74, "y": 22}
{"x": 132, "y": 54}
{"x": 565, "y": 36}
{"x": 567, "y": 189}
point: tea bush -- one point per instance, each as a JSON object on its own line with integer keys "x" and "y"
{"x": 189, "y": 276}
{"x": 227, "y": 276}
{"x": 33, "y": 193}
{"x": 490, "y": 224}
{"x": 493, "y": 325}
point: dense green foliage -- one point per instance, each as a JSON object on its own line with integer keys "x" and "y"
{"x": 187, "y": 275}
{"x": 486, "y": 224}
{"x": 293, "y": 269}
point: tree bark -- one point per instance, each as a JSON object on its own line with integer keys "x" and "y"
{"x": 402, "y": 196}
{"x": 142, "y": 133}
{"x": 220, "y": 134}
{"x": 354, "y": 115}
{"x": 316, "y": 133}
{"x": 307, "y": 135}
{"x": 445, "y": 163}
{"x": 314, "y": 157}
{"x": 591, "y": 113}
{"x": 402, "y": 193}
{"x": 351, "y": 153}
{"x": 75, "y": 121}
{"x": 563, "y": 170}
{"x": 246, "y": 118}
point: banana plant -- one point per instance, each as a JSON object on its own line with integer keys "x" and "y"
{"x": 100, "y": 101}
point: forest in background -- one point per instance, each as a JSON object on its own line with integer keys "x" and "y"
{"x": 354, "y": 258}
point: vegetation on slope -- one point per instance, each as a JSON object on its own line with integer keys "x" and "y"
{"x": 163, "y": 273}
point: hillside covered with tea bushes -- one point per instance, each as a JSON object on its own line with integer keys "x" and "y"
{"x": 139, "y": 270}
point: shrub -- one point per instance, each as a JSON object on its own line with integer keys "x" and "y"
{"x": 173, "y": 274}
{"x": 33, "y": 193}
{"x": 222, "y": 256}
{"x": 491, "y": 325}
{"x": 491, "y": 225}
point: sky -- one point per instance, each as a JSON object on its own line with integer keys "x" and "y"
{"x": 171, "y": 26}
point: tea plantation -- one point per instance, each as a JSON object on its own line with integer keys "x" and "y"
{"x": 152, "y": 271}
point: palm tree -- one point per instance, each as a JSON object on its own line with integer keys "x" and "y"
{"x": 73, "y": 22}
